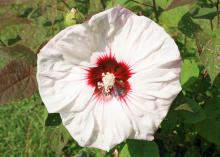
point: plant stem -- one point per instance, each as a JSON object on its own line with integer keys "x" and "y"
{"x": 103, "y": 4}
{"x": 217, "y": 8}
{"x": 185, "y": 40}
{"x": 211, "y": 2}
{"x": 2, "y": 43}
{"x": 27, "y": 140}
{"x": 211, "y": 24}
{"x": 155, "y": 11}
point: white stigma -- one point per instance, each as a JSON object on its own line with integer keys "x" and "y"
{"x": 108, "y": 81}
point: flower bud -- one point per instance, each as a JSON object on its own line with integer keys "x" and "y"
{"x": 73, "y": 17}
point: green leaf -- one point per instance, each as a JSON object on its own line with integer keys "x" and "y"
{"x": 187, "y": 26}
{"x": 114, "y": 3}
{"x": 177, "y": 3}
{"x": 192, "y": 152}
{"x": 172, "y": 17}
{"x": 170, "y": 122}
{"x": 208, "y": 44}
{"x": 206, "y": 13}
{"x": 191, "y": 112}
{"x": 53, "y": 119}
{"x": 34, "y": 37}
{"x": 17, "y": 81}
{"x": 140, "y": 148}
{"x": 212, "y": 108}
{"x": 10, "y": 35}
{"x": 189, "y": 73}
{"x": 163, "y": 3}
{"x": 97, "y": 6}
{"x": 210, "y": 130}
{"x": 83, "y": 5}
{"x": 125, "y": 152}
{"x": 137, "y": 6}
{"x": 184, "y": 107}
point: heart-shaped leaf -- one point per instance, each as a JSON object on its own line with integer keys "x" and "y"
{"x": 17, "y": 81}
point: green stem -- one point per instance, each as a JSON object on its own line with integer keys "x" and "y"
{"x": 155, "y": 11}
{"x": 185, "y": 40}
{"x": 211, "y": 2}
{"x": 103, "y": 4}
{"x": 211, "y": 24}
{"x": 2, "y": 43}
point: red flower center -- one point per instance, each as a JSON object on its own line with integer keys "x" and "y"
{"x": 109, "y": 77}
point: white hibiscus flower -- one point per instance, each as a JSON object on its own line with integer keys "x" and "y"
{"x": 111, "y": 78}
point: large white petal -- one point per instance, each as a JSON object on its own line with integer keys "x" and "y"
{"x": 158, "y": 75}
{"x": 63, "y": 90}
{"x": 155, "y": 84}
{"x": 101, "y": 125}
{"x": 106, "y": 25}
{"x": 113, "y": 124}
{"x": 138, "y": 38}
{"x": 60, "y": 75}
{"x": 81, "y": 125}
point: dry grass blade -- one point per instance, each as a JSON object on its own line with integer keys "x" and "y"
{"x": 17, "y": 81}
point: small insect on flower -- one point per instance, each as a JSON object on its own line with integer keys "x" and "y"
{"x": 111, "y": 78}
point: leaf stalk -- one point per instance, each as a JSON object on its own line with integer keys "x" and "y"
{"x": 155, "y": 11}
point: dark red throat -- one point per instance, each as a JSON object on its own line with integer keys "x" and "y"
{"x": 121, "y": 70}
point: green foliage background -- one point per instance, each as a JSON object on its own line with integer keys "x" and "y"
{"x": 192, "y": 126}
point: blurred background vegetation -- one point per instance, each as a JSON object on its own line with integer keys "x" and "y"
{"x": 192, "y": 126}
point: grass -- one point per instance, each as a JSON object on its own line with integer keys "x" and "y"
{"x": 22, "y": 131}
